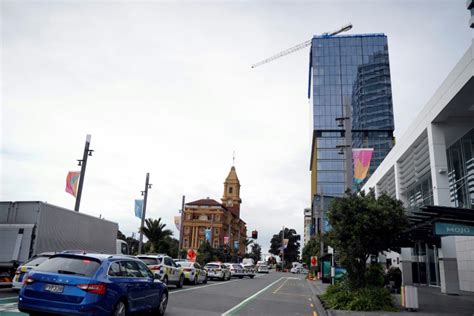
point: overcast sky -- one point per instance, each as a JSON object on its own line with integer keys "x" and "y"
{"x": 167, "y": 88}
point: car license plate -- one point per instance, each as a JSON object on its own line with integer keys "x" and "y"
{"x": 54, "y": 288}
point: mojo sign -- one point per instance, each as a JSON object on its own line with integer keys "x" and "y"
{"x": 446, "y": 229}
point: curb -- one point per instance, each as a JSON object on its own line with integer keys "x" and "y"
{"x": 317, "y": 302}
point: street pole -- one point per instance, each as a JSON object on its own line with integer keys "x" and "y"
{"x": 145, "y": 193}
{"x": 321, "y": 225}
{"x": 348, "y": 141}
{"x": 83, "y": 163}
{"x": 282, "y": 248}
{"x": 181, "y": 232}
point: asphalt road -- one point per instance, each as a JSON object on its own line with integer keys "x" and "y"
{"x": 267, "y": 294}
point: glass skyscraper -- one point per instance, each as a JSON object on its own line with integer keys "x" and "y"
{"x": 348, "y": 72}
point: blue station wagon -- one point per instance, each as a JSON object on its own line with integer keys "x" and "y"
{"x": 92, "y": 284}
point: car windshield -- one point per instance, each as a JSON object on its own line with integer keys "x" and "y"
{"x": 237, "y": 266}
{"x": 34, "y": 262}
{"x": 150, "y": 261}
{"x": 70, "y": 265}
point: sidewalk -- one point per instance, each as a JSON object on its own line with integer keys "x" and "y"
{"x": 431, "y": 302}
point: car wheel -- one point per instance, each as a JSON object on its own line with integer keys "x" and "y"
{"x": 163, "y": 303}
{"x": 252, "y": 276}
{"x": 241, "y": 277}
{"x": 165, "y": 279}
{"x": 205, "y": 280}
{"x": 120, "y": 309}
{"x": 195, "y": 279}
{"x": 228, "y": 277}
{"x": 223, "y": 277}
{"x": 180, "y": 282}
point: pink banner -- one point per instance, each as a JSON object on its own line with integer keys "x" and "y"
{"x": 72, "y": 181}
{"x": 361, "y": 158}
{"x": 226, "y": 240}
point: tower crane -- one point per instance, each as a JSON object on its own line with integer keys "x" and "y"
{"x": 301, "y": 46}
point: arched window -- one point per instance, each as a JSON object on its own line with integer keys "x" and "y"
{"x": 230, "y": 190}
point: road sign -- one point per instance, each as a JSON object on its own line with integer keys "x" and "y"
{"x": 191, "y": 255}
{"x": 314, "y": 261}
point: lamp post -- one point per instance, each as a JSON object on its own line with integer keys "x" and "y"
{"x": 83, "y": 163}
{"x": 145, "y": 194}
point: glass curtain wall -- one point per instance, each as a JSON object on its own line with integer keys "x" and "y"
{"x": 350, "y": 70}
{"x": 461, "y": 171}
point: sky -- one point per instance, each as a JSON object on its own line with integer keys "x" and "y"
{"x": 166, "y": 87}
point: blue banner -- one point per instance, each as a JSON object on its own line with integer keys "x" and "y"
{"x": 208, "y": 235}
{"x": 138, "y": 208}
{"x": 236, "y": 244}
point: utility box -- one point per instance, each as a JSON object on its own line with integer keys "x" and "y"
{"x": 409, "y": 296}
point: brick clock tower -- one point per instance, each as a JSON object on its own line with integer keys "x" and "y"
{"x": 231, "y": 198}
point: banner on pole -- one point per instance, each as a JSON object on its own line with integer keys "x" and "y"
{"x": 72, "y": 180}
{"x": 208, "y": 234}
{"x": 226, "y": 240}
{"x": 177, "y": 222}
{"x": 361, "y": 158}
{"x": 138, "y": 208}
{"x": 236, "y": 244}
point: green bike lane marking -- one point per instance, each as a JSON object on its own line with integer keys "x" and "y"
{"x": 242, "y": 304}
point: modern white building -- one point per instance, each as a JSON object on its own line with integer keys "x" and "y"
{"x": 431, "y": 169}
{"x": 307, "y": 226}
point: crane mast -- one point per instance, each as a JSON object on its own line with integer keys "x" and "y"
{"x": 301, "y": 46}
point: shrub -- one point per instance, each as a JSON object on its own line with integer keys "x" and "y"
{"x": 395, "y": 275}
{"x": 365, "y": 299}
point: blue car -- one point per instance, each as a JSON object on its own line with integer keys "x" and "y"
{"x": 92, "y": 284}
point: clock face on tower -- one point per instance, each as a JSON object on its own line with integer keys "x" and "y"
{"x": 229, "y": 202}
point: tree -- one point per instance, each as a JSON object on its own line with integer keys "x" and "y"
{"x": 247, "y": 242}
{"x": 206, "y": 253}
{"x": 120, "y": 235}
{"x": 155, "y": 232}
{"x": 256, "y": 253}
{"x": 363, "y": 225}
{"x": 313, "y": 248}
{"x": 291, "y": 251}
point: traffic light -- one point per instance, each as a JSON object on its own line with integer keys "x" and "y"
{"x": 254, "y": 234}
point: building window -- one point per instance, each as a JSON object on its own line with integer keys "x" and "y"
{"x": 230, "y": 190}
{"x": 216, "y": 243}
{"x": 186, "y": 242}
{"x": 218, "y": 217}
{"x": 201, "y": 230}
{"x": 188, "y": 216}
{"x": 216, "y": 231}
{"x": 186, "y": 230}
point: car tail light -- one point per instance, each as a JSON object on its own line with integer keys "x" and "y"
{"x": 155, "y": 268}
{"x": 99, "y": 288}
{"x": 28, "y": 280}
{"x": 187, "y": 270}
{"x": 218, "y": 270}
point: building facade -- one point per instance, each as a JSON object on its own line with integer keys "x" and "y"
{"x": 431, "y": 170}
{"x": 470, "y": 7}
{"x": 351, "y": 98}
{"x": 349, "y": 79}
{"x": 222, "y": 219}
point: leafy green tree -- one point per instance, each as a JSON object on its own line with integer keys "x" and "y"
{"x": 291, "y": 252}
{"x": 313, "y": 248}
{"x": 247, "y": 243}
{"x": 256, "y": 253}
{"x": 363, "y": 225}
{"x": 154, "y": 230}
{"x": 120, "y": 235}
{"x": 206, "y": 253}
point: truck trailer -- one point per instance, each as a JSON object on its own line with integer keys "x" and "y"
{"x": 31, "y": 228}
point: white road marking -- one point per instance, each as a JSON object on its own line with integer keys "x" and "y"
{"x": 248, "y": 299}
{"x": 209, "y": 285}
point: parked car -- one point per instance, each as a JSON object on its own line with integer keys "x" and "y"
{"x": 23, "y": 269}
{"x": 262, "y": 268}
{"x": 217, "y": 270}
{"x": 193, "y": 272}
{"x": 98, "y": 284}
{"x": 169, "y": 271}
{"x": 249, "y": 270}
{"x": 236, "y": 270}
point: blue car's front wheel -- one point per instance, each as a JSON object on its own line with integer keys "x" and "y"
{"x": 120, "y": 309}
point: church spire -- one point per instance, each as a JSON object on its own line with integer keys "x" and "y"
{"x": 231, "y": 197}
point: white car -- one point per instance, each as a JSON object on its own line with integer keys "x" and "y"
{"x": 163, "y": 266}
{"x": 249, "y": 270}
{"x": 262, "y": 268}
{"x": 236, "y": 270}
{"x": 193, "y": 272}
{"x": 23, "y": 269}
{"x": 217, "y": 270}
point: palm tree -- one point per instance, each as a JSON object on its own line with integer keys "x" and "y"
{"x": 154, "y": 231}
{"x": 247, "y": 242}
